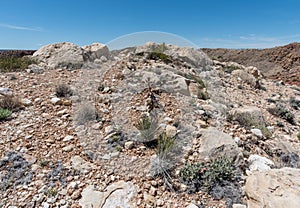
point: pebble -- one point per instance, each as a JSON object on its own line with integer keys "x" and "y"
{"x": 62, "y": 112}
{"x": 68, "y": 148}
{"x": 68, "y": 138}
{"x": 129, "y": 145}
{"x": 56, "y": 101}
{"x": 257, "y": 132}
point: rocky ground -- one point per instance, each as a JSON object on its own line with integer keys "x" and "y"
{"x": 279, "y": 63}
{"x": 79, "y": 139}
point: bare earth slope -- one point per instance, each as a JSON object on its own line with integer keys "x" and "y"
{"x": 279, "y": 62}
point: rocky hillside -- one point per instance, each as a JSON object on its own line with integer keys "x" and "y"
{"x": 278, "y": 62}
{"x": 151, "y": 126}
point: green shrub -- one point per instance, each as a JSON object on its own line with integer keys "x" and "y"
{"x": 207, "y": 175}
{"x": 13, "y": 64}
{"x": 4, "y": 113}
{"x": 283, "y": 113}
{"x": 298, "y": 136}
{"x": 159, "y": 56}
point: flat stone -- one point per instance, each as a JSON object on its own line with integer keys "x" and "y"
{"x": 275, "y": 188}
{"x": 26, "y": 102}
{"x": 68, "y": 138}
{"x": 118, "y": 194}
{"x": 257, "y": 132}
{"x": 56, "y": 101}
{"x": 259, "y": 163}
{"x": 68, "y": 148}
{"x": 62, "y": 112}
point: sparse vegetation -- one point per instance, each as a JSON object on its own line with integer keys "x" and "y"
{"x": 10, "y": 103}
{"x": 86, "y": 113}
{"x": 230, "y": 69}
{"x": 282, "y": 112}
{"x": 52, "y": 192}
{"x": 63, "y": 90}
{"x": 148, "y": 128}
{"x": 298, "y": 136}
{"x": 163, "y": 163}
{"x": 159, "y": 56}
{"x": 207, "y": 175}
{"x": 4, "y": 113}
{"x": 13, "y": 64}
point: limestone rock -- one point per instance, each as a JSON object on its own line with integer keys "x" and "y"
{"x": 245, "y": 77}
{"x": 56, "y": 101}
{"x": 26, "y": 102}
{"x": 249, "y": 116}
{"x": 118, "y": 194}
{"x": 275, "y": 188}
{"x": 60, "y": 55}
{"x": 259, "y": 163}
{"x": 214, "y": 143}
{"x": 96, "y": 51}
{"x": 80, "y": 164}
{"x": 6, "y": 91}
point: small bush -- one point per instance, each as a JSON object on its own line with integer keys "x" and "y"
{"x": 85, "y": 114}
{"x": 63, "y": 90}
{"x": 207, "y": 175}
{"x": 4, "y": 113}
{"x": 159, "y": 56}
{"x": 13, "y": 64}
{"x": 10, "y": 103}
{"x": 52, "y": 192}
{"x": 283, "y": 113}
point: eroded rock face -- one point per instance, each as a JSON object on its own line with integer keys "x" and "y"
{"x": 95, "y": 51}
{"x": 275, "y": 188}
{"x": 60, "y": 55}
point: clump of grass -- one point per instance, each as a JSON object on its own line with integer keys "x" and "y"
{"x": 298, "y": 136}
{"x": 207, "y": 175}
{"x": 282, "y": 112}
{"x": 63, "y": 90}
{"x": 85, "y": 114}
{"x": 11, "y": 103}
{"x": 4, "y": 114}
{"x": 44, "y": 163}
{"x": 14, "y": 64}
{"x": 230, "y": 69}
{"x": 163, "y": 163}
{"x": 148, "y": 128}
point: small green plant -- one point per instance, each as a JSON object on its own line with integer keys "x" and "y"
{"x": 207, "y": 175}
{"x": 44, "y": 163}
{"x": 282, "y": 112}
{"x": 86, "y": 113}
{"x": 159, "y": 56}
{"x": 4, "y": 113}
{"x": 101, "y": 87}
{"x": 298, "y": 136}
{"x": 161, "y": 48}
{"x": 63, "y": 90}
{"x": 52, "y": 192}
{"x": 148, "y": 128}
{"x": 13, "y": 64}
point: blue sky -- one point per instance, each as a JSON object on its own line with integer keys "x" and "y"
{"x": 29, "y": 24}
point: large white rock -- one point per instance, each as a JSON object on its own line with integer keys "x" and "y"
{"x": 276, "y": 188}
{"x": 96, "y": 51}
{"x": 60, "y": 55}
{"x": 259, "y": 163}
{"x": 118, "y": 194}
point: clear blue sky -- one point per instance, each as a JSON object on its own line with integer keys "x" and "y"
{"x": 29, "y": 24}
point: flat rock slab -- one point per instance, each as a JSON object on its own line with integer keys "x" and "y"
{"x": 276, "y": 188}
{"x": 118, "y": 194}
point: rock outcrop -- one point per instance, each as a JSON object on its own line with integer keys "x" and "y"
{"x": 275, "y": 188}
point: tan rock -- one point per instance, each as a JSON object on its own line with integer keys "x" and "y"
{"x": 275, "y": 188}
